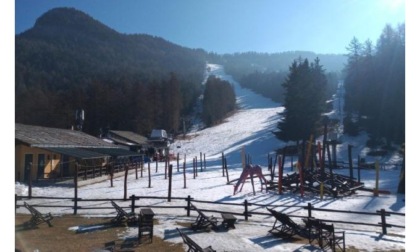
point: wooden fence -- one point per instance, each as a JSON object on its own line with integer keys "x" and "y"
{"x": 384, "y": 217}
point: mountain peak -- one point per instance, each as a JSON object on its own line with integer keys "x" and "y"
{"x": 62, "y": 16}
{"x": 69, "y": 19}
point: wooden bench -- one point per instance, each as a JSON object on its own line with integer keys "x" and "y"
{"x": 123, "y": 218}
{"x": 228, "y": 220}
{"x": 192, "y": 246}
{"x": 203, "y": 221}
{"x": 284, "y": 226}
{"x": 325, "y": 235}
{"x": 37, "y": 217}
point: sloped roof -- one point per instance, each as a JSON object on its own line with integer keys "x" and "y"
{"x": 129, "y": 136}
{"x": 78, "y": 152}
{"x": 38, "y": 136}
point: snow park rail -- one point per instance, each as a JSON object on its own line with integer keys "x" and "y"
{"x": 384, "y": 224}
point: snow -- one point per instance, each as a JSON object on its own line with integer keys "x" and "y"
{"x": 249, "y": 129}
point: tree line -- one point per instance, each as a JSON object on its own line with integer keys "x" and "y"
{"x": 218, "y": 100}
{"x": 375, "y": 87}
{"x": 374, "y": 97}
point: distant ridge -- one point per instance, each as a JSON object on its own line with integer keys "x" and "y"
{"x": 67, "y": 44}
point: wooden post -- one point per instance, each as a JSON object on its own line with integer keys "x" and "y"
{"x": 185, "y": 176}
{"x": 193, "y": 164}
{"x": 30, "y": 180}
{"x": 308, "y": 152}
{"x": 150, "y": 179}
{"x": 358, "y": 169}
{"x": 125, "y": 181}
{"x": 111, "y": 173}
{"x": 309, "y": 210}
{"x": 283, "y": 161}
{"x": 376, "y": 190}
{"x": 170, "y": 183}
{"x": 188, "y": 205}
{"x": 205, "y": 165}
{"x": 166, "y": 168}
{"x": 280, "y": 182}
{"x": 246, "y": 209}
{"x": 75, "y": 187}
{"x": 273, "y": 168}
{"x": 383, "y": 221}
{"x": 133, "y": 203}
{"x": 270, "y": 166}
{"x": 319, "y": 147}
{"x": 177, "y": 162}
{"x": 243, "y": 157}
{"x": 223, "y": 164}
{"x": 300, "y": 178}
{"x": 350, "y": 163}
{"x": 201, "y": 161}
{"x": 330, "y": 167}
{"x": 324, "y": 143}
{"x": 156, "y": 164}
{"x": 252, "y": 182}
{"x": 334, "y": 152}
{"x": 85, "y": 177}
{"x": 141, "y": 171}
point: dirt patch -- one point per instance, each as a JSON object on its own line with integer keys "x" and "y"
{"x": 98, "y": 232}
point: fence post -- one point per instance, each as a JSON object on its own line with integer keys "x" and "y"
{"x": 383, "y": 221}
{"x": 246, "y": 209}
{"x": 201, "y": 161}
{"x": 170, "y": 183}
{"x": 223, "y": 164}
{"x": 309, "y": 210}
{"x": 16, "y": 199}
{"x": 148, "y": 170}
{"x": 141, "y": 169}
{"x": 75, "y": 187}
{"x": 133, "y": 202}
{"x": 188, "y": 205}
{"x": 183, "y": 172}
{"x": 177, "y": 162}
{"x": 125, "y": 181}
{"x": 30, "y": 180}
{"x": 136, "y": 170}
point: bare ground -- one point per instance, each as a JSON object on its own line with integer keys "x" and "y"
{"x": 60, "y": 238}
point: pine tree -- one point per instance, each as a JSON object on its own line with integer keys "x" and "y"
{"x": 305, "y": 89}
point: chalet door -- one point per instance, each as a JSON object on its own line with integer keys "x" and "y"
{"x": 41, "y": 166}
{"x": 28, "y": 163}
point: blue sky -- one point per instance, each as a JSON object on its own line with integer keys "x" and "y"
{"x": 221, "y": 26}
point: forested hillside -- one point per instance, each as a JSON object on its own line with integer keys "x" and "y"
{"x": 69, "y": 60}
{"x": 264, "y": 73}
{"x": 375, "y": 87}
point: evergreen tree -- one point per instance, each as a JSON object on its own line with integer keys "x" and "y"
{"x": 305, "y": 97}
{"x": 375, "y": 87}
{"x": 218, "y": 100}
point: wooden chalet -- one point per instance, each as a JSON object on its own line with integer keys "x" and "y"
{"x": 127, "y": 139}
{"x": 43, "y": 152}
